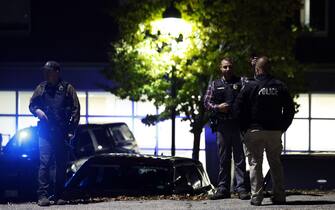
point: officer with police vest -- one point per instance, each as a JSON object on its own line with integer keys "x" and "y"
{"x": 218, "y": 100}
{"x": 265, "y": 110}
{"x": 57, "y": 107}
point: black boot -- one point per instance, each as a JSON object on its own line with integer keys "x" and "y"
{"x": 43, "y": 201}
{"x": 219, "y": 195}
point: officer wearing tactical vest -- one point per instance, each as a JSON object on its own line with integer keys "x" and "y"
{"x": 219, "y": 99}
{"x": 265, "y": 110}
{"x": 57, "y": 107}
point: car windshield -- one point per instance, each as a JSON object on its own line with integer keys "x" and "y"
{"x": 122, "y": 133}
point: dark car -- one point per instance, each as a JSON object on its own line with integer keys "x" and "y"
{"x": 94, "y": 139}
{"x": 19, "y": 159}
{"x": 104, "y": 160}
{"x": 134, "y": 174}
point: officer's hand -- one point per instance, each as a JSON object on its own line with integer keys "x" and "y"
{"x": 253, "y": 61}
{"x": 70, "y": 136}
{"x": 224, "y": 107}
{"x": 41, "y": 115}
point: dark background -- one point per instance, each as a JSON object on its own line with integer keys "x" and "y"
{"x": 68, "y": 31}
{"x": 80, "y": 32}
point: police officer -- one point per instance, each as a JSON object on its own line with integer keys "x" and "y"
{"x": 265, "y": 109}
{"x": 57, "y": 107}
{"x": 219, "y": 99}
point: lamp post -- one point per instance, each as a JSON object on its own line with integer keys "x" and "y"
{"x": 172, "y": 13}
{"x": 173, "y": 112}
{"x": 177, "y": 31}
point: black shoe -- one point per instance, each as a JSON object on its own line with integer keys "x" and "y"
{"x": 43, "y": 201}
{"x": 60, "y": 202}
{"x": 277, "y": 202}
{"x": 219, "y": 195}
{"x": 244, "y": 195}
{"x": 255, "y": 203}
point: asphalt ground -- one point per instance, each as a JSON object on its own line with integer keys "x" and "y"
{"x": 294, "y": 201}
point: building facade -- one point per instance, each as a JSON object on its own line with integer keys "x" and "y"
{"x": 78, "y": 36}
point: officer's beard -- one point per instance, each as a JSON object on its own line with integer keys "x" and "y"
{"x": 227, "y": 75}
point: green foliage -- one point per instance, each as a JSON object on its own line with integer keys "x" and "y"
{"x": 143, "y": 59}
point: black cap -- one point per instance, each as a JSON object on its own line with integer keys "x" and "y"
{"x": 51, "y": 66}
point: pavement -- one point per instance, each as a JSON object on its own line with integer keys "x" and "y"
{"x": 309, "y": 201}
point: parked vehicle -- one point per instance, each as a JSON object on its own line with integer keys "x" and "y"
{"x": 104, "y": 159}
{"x": 133, "y": 175}
{"x": 19, "y": 159}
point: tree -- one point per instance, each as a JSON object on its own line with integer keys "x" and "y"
{"x": 145, "y": 59}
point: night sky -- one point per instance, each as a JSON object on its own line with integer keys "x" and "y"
{"x": 70, "y": 31}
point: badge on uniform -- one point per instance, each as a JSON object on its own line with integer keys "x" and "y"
{"x": 61, "y": 88}
{"x": 235, "y": 86}
{"x": 220, "y": 88}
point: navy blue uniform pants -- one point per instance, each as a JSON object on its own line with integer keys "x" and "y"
{"x": 229, "y": 142}
{"x": 53, "y": 153}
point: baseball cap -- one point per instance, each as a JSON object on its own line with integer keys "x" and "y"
{"x": 51, "y": 66}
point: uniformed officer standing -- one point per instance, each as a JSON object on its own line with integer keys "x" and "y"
{"x": 265, "y": 109}
{"x": 57, "y": 107}
{"x": 219, "y": 99}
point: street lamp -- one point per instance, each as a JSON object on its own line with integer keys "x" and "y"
{"x": 174, "y": 26}
{"x": 171, "y": 18}
{"x": 172, "y": 12}
{"x": 175, "y": 38}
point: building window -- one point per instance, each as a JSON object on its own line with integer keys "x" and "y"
{"x": 23, "y": 103}
{"x": 7, "y": 128}
{"x": 314, "y": 15}
{"x": 312, "y": 128}
{"x": 322, "y": 135}
{"x": 8, "y": 102}
{"x": 104, "y": 103}
{"x": 82, "y": 101}
{"x": 103, "y": 107}
{"x": 297, "y": 136}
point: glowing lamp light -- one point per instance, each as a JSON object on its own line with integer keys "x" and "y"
{"x": 172, "y": 26}
{"x": 23, "y": 135}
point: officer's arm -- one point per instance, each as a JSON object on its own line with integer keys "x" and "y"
{"x": 35, "y": 100}
{"x": 75, "y": 108}
{"x": 288, "y": 109}
{"x": 208, "y": 101}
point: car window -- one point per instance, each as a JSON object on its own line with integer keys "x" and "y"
{"x": 103, "y": 138}
{"x": 122, "y": 133}
{"x": 84, "y": 146}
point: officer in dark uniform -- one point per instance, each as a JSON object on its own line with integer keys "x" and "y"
{"x": 265, "y": 110}
{"x": 57, "y": 107}
{"x": 219, "y": 99}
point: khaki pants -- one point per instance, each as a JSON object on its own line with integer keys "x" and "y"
{"x": 256, "y": 141}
